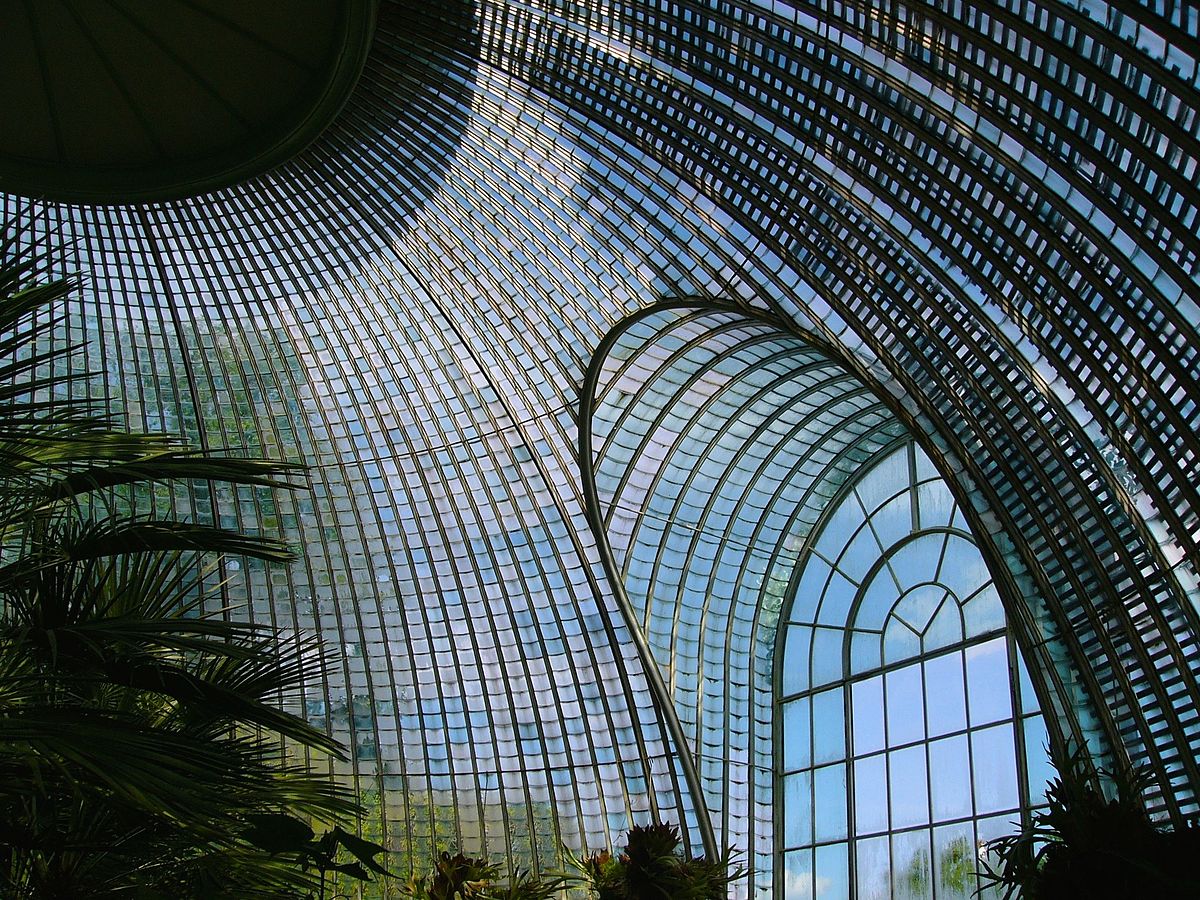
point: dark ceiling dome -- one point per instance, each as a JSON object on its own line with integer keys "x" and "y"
{"x": 155, "y": 99}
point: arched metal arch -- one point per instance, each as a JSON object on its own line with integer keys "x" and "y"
{"x": 1045, "y": 677}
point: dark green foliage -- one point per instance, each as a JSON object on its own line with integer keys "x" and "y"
{"x": 604, "y": 874}
{"x": 1088, "y": 845}
{"x": 286, "y": 837}
{"x": 141, "y": 739}
{"x": 453, "y": 877}
{"x": 653, "y": 866}
{"x": 461, "y": 877}
{"x": 524, "y": 885}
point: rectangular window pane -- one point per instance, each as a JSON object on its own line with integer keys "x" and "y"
{"x": 797, "y": 809}
{"x": 945, "y": 699}
{"x": 795, "y": 659}
{"x": 867, "y": 715}
{"x": 995, "y": 769}
{"x": 829, "y": 788}
{"x": 989, "y": 692}
{"x": 905, "y": 716}
{"x": 832, "y": 875}
{"x": 870, "y": 795}
{"x": 909, "y": 787}
{"x": 798, "y": 874}
{"x": 873, "y": 869}
{"x": 954, "y": 861}
{"x": 911, "y": 876}
{"x": 950, "y": 764}
{"x": 1040, "y": 769}
{"x": 829, "y": 726}
{"x": 796, "y": 734}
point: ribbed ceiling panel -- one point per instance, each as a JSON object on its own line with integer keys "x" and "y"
{"x": 985, "y": 212}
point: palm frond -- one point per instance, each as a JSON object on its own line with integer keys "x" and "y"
{"x": 21, "y": 298}
{"x": 115, "y": 536}
{"x": 176, "y": 465}
{"x": 140, "y": 729}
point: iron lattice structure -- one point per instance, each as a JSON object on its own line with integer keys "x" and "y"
{"x": 976, "y": 221}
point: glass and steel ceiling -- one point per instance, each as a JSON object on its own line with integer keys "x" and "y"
{"x": 970, "y": 223}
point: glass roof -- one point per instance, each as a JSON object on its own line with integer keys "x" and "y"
{"x": 973, "y": 223}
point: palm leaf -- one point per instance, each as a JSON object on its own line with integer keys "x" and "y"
{"x": 174, "y": 465}
{"x": 116, "y": 536}
{"x": 139, "y": 728}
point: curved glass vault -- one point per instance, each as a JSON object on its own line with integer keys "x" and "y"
{"x": 554, "y": 522}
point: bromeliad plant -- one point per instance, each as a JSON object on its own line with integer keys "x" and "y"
{"x": 461, "y": 877}
{"x": 140, "y": 737}
{"x": 653, "y": 866}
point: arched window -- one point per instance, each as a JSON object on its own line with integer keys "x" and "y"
{"x": 908, "y": 731}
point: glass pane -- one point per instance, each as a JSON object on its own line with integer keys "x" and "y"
{"x": 989, "y": 693}
{"x": 935, "y": 503}
{"x": 963, "y": 570}
{"x": 1037, "y": 762}
{"x": 909, "y": 787}
{"x": 911, "y": 878}
{"x": 832, "y": 875}
{"x": 809, "y": 590}
{"x": 950, "y": 768}
{"x": 1029, "y": 701}
{"x": 858, "y": 557}
{"x": 954, "y": 861}
{"x": 867, "y": 715}
{"x": 829, "y": 726}
{"x": 865, "y": 651}
{"x": 995, "y": 769}
{"x": 944, "y": 694}
{"x": 984, "y": 612}
{"x": 905, "y": 717}
{"x": 797, "y": 809}
{"x": 796, "y": 751}
{"x": 829, "y": 788}
{"x": 797, "y": 874}
{"x": 873, "y": 869}
{"x": 884, "y": 479}
{"x": 878, "y": 598}
{"x": 835, "y": 602}
{"x": 845, "y": 519}
{"x": 893, "y": 521}
{"x": 916, "y": 562}
{"x": 796, "y": 653}
{"x": 946, "y": 628}
{"x": 925, "y": 468}
{"x": 988, "y": 830}
{"x": 900, "y": 642}
{"x": 918, "y": 606}
{"x": 870, "y": 793}
{"x": 827, "y": 663}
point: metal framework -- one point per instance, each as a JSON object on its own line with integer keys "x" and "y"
{"x": 975, "y": 221}
{"x": 907, "y": 730}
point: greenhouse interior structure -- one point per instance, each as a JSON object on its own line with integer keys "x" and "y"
{"x": 773, "y": 417}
